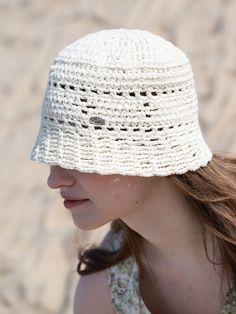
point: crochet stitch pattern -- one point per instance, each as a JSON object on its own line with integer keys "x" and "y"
{"x": 121, "y": 101}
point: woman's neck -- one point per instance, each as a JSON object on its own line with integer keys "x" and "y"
{"x": 170, "y": 228}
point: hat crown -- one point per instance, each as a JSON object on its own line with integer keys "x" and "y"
{"x": 121, "y": 101}
{"x": 124, "y": 48}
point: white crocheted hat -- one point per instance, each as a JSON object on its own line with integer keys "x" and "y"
{"x": 121, "y": 101}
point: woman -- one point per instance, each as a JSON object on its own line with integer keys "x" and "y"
{"x": 119, "y": 128}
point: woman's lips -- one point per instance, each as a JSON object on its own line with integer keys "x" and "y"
{"x": 72, "y": 203}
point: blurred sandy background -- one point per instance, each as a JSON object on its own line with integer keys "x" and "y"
{"x": 38, "y": 242}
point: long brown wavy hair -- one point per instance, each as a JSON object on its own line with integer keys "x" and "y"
{"x": 211, "y": 191}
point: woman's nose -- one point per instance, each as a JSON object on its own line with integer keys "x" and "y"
{"x": 59, "y": 177}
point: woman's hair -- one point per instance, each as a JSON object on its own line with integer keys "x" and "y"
{"x": 211, "y": 191}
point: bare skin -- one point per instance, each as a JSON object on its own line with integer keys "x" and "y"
{"x": 188, "y": 286}
{"x": 172, "y": 242}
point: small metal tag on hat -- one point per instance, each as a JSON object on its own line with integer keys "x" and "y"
{"x": 97, "y": 120}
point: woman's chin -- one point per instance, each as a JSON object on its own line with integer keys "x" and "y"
{"x": 82, "y": 225}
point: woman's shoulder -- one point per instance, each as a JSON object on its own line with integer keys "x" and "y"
{"x": 92, "y": 291}
{"x": 102, "y": 291}
{"x": 92, "y": 295}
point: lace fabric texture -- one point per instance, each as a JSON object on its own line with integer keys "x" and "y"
{"x": 122, "y": 280}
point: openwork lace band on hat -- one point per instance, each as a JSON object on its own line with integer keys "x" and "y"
{"x": 121, "y": 101}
